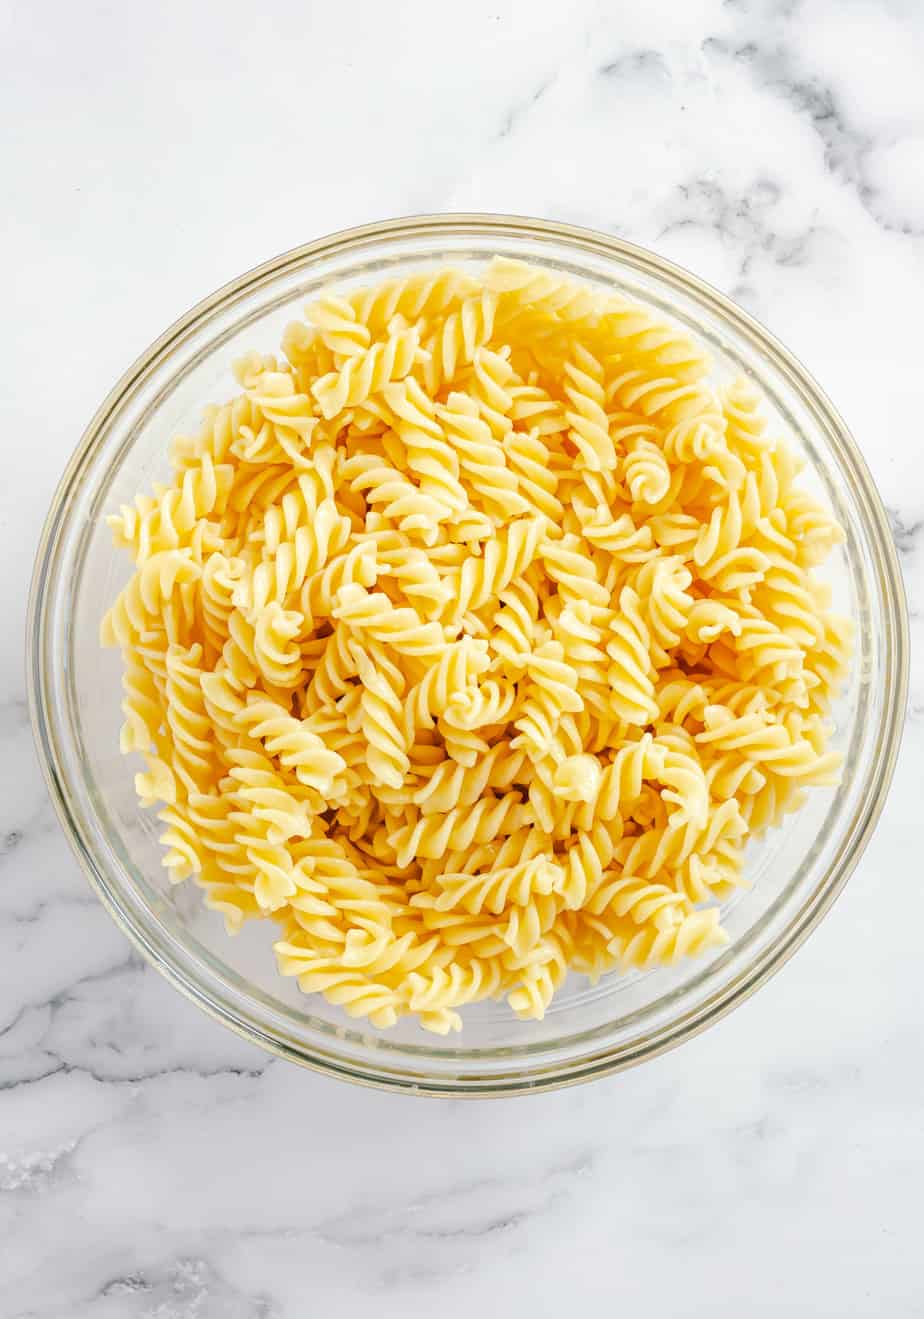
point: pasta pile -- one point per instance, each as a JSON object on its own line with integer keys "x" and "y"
{"x": 472, "y": 640}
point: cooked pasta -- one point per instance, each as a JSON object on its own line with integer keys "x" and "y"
{"x": 472, "y": 640}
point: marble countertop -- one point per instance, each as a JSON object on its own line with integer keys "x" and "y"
{"x": 153, "y": 1166}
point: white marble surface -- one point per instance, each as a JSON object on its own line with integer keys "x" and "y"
{"x": 151, "y": 1165}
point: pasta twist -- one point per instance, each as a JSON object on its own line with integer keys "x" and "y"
{"x": 478, "y": 707}
{"x": 643, "y": 902}
{"x": 619, "y": 536}
{"x": 373, "y": 613}
{"x": 457, "y": 338}
{"x": 766, "y": 742}
{"x": 220, "y": 427}
{"x": 647, "y": 473}
{"x": 367, "y": 372}
{"x": 505, "y": 559}
{"x": 492, "y": 378}
{"x": 661, "y": 585}
{"x": 288, "y": 739}
{"x": 452, "y": 785}
{"x": 155, "y": 583}
{"x": 396, "y": 498}
{"x": 551, "y": 693}
{"x": 573, "y": 571}
{"x": 149, "y": 526}
{"x": 276, "y": 650}
{"x": 629, "y": 674}
{"x": 262, "y": 793}
{"x": 495, "y": 891}
{"x": 719, "y": 556}
{"x": 649, "y": 946}
{"x": 416, "y": 579}
{"x": 458, "y": 665}
{"x": 545, "y": 973}
{"x": 434, "y": 835}
{"x": 542, "y": 290}
{"x": 339, "y": 327}
{"x": 529, "y": 458}
{"x": 646, "y": 338}
{"x": 760, "y": 647}
{"x": 745, "y": 423}
{"x": 581, "y": 641}
{"x": 220, "y": 579}
{"x": 584, "y": 388}
{"x": 187, "y": 718}
{"x": 283, "y": 420}
{"x": 356, "y": 566}
{"x": 482, "y": 460}
{"x": 142, "y": 706}
{"x": 536, "y": 409}
{"x": 435, "y": 992}
{"x": 513, "y": 627}
{"x": 430, "y": 457}
{"x": 182, "y": 857}
{"x": 333, "y": 673}
{"x": 419, "y": 297}
{"x": 585, "y": 862}
{"x": 356, "y": 993}
{"x": 382, "y": 716}
{"x": 663, "y": 398}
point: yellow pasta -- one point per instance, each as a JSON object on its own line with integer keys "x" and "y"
{"x": 472, "y": 640}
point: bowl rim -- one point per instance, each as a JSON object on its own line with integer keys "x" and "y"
{"x": 538, "y": 1076}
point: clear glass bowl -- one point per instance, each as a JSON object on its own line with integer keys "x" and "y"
{"x": 796, "y": 872}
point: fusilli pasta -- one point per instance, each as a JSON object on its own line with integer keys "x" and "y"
{"x": 471, "y": 641}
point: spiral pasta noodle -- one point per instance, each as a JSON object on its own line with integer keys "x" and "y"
{"x": 471, "y": 641}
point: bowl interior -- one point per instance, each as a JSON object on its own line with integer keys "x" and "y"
{"x": 793, "y": 871}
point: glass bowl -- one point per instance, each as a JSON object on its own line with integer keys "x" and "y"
{"x": 796, "y": 872}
